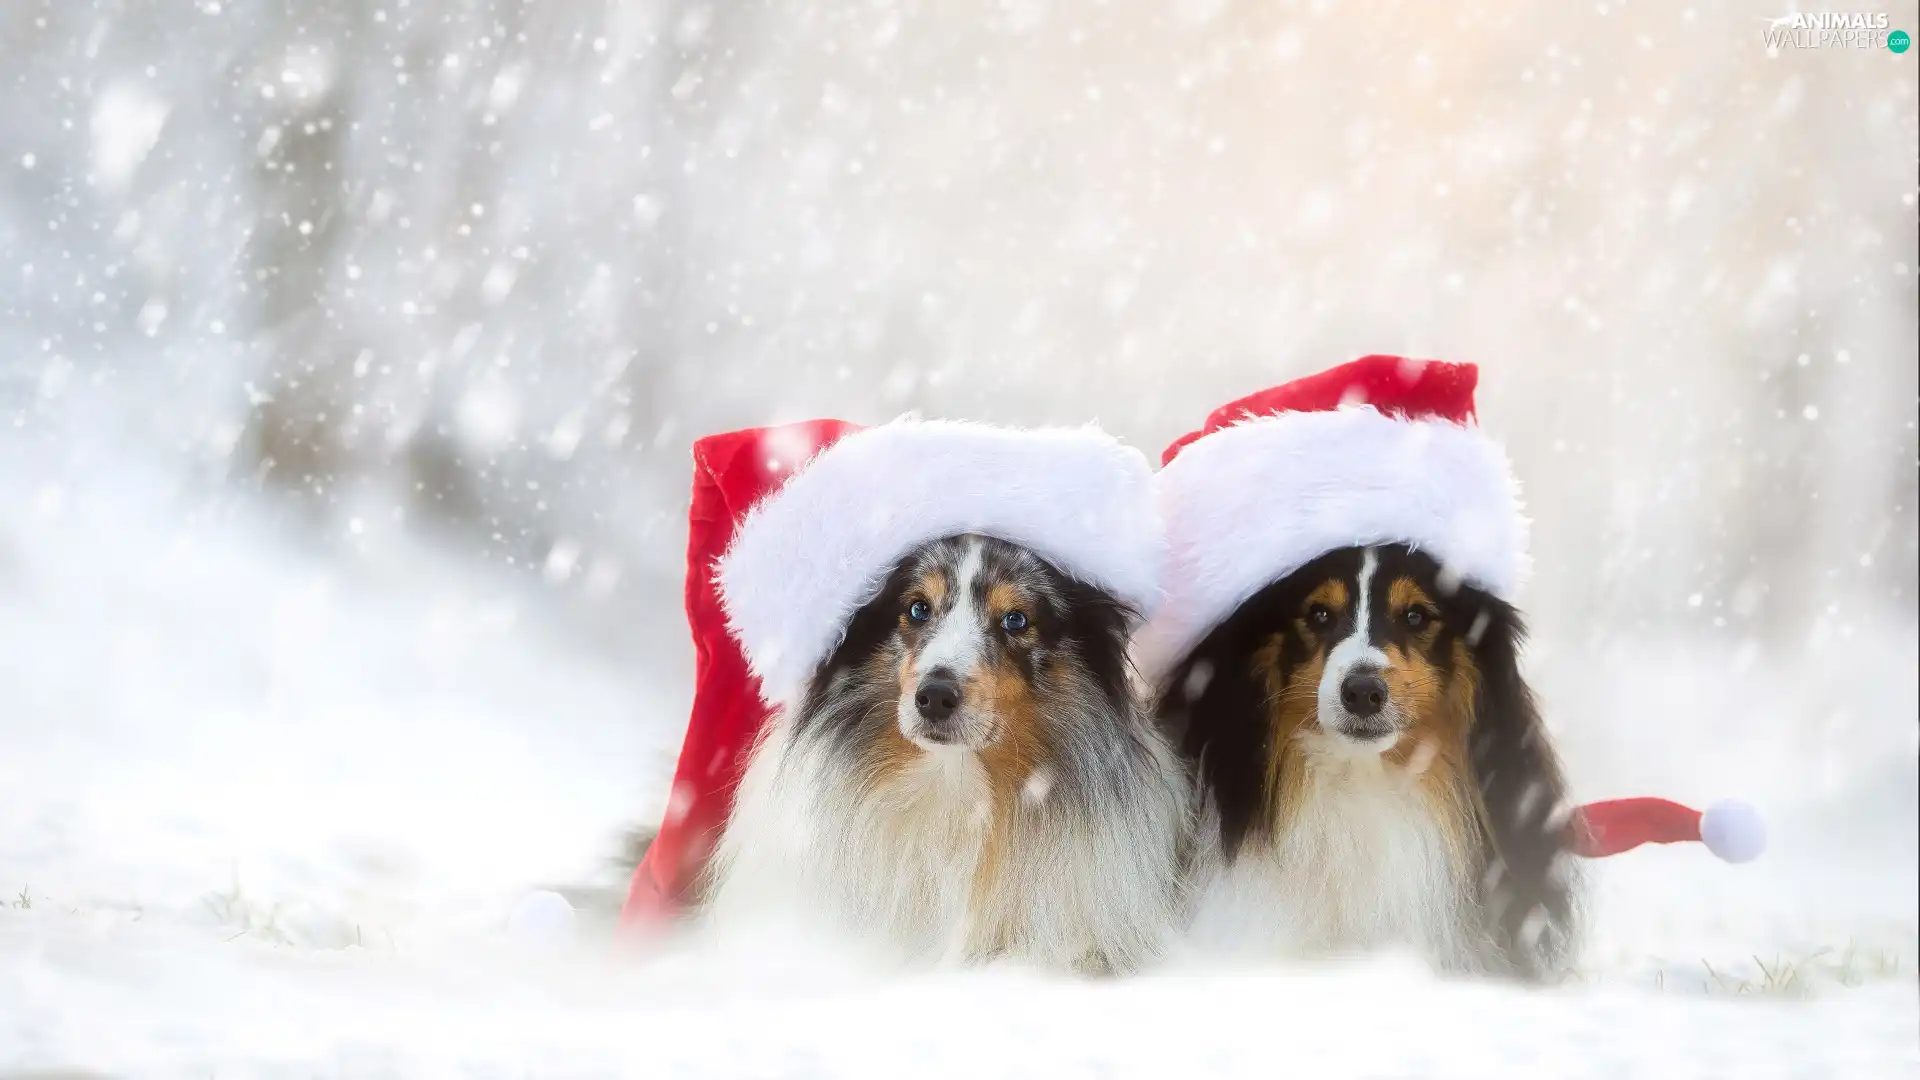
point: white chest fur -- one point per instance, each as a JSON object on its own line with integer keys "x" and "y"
{"x": 808, "y": 848}
{"x": 1361, "y": 865}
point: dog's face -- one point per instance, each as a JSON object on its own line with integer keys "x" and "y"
{"x": 972, "y": 644}
{"x": 974, "y": 625}
{"x": 1367, "y": 647}
{"x": 1363, "y": 653}
{"x": 1374, "y": 654}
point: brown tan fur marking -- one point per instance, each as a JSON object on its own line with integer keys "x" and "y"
{"x": 1291, "y": 707}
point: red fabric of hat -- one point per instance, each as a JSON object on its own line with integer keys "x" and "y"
{"x": 1730, "y": 829}
{"x": 1395, "y": 385}
{"x": 731, "y": 472}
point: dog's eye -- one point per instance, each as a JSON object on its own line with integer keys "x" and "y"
{"x": 1416, "y": 617}
{"x": 1320, "y": 614}
{"x": 1013, "y": 621}
{"x": 919, "y": 611}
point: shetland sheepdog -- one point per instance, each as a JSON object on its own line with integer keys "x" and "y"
{"x": 1372, "y": 773}
{"x": 969, "y": 777}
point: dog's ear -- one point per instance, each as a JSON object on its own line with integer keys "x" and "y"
{"x": 1524, "y": 887}
{"x": 1102, "y": 625}
{"x": 1213, "y": 708}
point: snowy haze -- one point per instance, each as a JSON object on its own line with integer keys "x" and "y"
{"x": 350, "y": 352}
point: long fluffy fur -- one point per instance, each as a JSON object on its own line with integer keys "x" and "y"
{"x": 1058, "y": 847}
{"x": 1448, "y": 843}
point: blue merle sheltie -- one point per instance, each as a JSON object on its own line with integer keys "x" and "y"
{"x": 969, "y": 776}
{"x": 1372, "y": 773}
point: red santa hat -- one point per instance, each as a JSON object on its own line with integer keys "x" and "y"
{"x": 793, "y": 528}
{"x": 1381, "y": 450}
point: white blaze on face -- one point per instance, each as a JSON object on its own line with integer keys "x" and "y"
{"x": 958, "y": 637}
{"x": 1357, "y": 648}
{"x": 954, "y": 644}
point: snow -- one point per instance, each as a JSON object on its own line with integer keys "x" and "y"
{"x": 136, "y": 1001}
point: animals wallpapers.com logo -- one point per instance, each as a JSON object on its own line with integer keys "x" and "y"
{"x": 1831, "y": 29}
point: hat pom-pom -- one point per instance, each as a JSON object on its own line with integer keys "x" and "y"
{"x": 1733, "y": 831}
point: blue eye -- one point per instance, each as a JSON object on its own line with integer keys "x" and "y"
{"x": 1013, "y": 621}
{"x": 919, "y": 611}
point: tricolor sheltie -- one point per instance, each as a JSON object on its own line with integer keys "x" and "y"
{"x": 968, "y": 777}
{"x": 1372, "y": 772}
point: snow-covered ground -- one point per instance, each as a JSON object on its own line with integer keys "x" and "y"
{"x": 266, "y": 801}
{"x": 150, "y": 1001}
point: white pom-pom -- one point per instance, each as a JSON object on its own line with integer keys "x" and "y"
{"x": 1733, "y": 831}
{"x": 542, "y": 917}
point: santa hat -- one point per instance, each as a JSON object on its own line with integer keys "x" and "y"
{"x": 1381, "y": 450}
{"x": 793, "y": 528}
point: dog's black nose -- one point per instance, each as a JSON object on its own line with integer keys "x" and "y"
{"x": 938, "y": 697}
{"x": 1363, "y": 693}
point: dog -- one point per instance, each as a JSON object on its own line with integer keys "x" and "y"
{"x": 970, "y": 776}
{"x": 1372, "y": 772}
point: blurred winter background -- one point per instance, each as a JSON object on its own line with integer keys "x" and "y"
{"x": 350, "y": 351}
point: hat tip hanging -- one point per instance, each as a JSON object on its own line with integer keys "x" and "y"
{"x": 1733, "y": 831}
